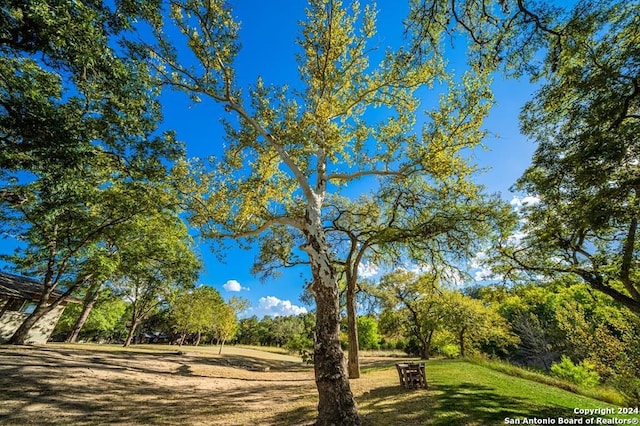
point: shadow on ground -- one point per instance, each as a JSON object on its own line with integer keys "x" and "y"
{"x": 448, "y": 405}
{"x": 42, "y": 386}
{"x": 86, "y": 387}
{"x": 253, "y": 363}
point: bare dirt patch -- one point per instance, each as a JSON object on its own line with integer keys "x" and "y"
{"x": 64, "y": 384}
{"x": 94, "y": 384}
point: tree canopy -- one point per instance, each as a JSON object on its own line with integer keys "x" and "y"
{"x": 195, "y": 311}
{"x": 584, "y": 174}
{"x": 424, "y": 307}
{"x": 79, "y": 149}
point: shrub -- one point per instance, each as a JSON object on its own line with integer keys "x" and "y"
{"x": 583, "y": 374}
{"x": 450, "y": 351}
{"x": 630, "y": 387}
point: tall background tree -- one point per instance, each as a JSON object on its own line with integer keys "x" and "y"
{"x": 157, "y": 264}
{"x": 420, "y": 305}
{"x": 79, "y": 152}
{"x": 196, "y": 311}
{"x": 289, "y": 149}
{"x": 585, "y": 172}
{"x": 584, "y": 118}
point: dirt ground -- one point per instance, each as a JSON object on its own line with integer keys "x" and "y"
{"x": 91, "y": 385}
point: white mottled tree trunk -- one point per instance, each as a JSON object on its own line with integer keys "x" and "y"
{"x": 336, "y": 404}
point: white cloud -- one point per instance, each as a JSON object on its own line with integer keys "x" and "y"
{"x": 529, "y": 200}
{"x": 233, "y": 285}
{"x": 368, "y": 270}
{"x": 274, "y": 307}
{"x": 483, "y": 271}
{"x": 417, "y": 269}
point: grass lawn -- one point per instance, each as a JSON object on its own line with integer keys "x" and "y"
{"x": 148, "y": 384}
{"x": 461, "y": 393}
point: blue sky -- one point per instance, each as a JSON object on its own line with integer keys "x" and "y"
{"x": 268, "y": 33}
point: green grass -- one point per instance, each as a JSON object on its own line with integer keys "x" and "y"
{"x": 462, "y": 393}
{"x": 601, "y": 393}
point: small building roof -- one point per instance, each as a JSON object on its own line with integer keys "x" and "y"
{"x": 17, "y": 287}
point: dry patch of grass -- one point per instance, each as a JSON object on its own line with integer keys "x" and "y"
{"x": 91, "y": 384}
{"x": 159, "y": 384}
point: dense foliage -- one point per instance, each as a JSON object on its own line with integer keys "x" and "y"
{"x": 184, "y": 317}
{"x": 568, "y": 319}
{"x": 585, "y": 119}
{"x": 80, "y": 154}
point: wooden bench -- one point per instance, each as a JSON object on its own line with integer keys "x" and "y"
{"x": 412, "y": 375}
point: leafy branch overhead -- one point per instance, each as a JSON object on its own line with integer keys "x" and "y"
{"x": 584, "y": 173}
{"x": 80, "y": 153}
{"x": 288, "y": 144}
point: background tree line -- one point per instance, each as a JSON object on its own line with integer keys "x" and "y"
{"x": 562, "y": 327}
{"x": 177, "y": 316}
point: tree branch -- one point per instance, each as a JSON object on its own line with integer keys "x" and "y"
{"x": 346, "y": 177}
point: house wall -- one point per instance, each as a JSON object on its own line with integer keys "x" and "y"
{"x": 41, "y": 331}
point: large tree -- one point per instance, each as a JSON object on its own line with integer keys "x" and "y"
{"x": 422, "y": 306}
{"x": 65, "y": 241}
{"x": 350, "y": 120}
{"x": 441, "y": 223}
{"x": 585, "y": 172}
{"x": 158, "y": 236}
{"x": 78, "y": 155}
{"x": 157, "y": 264}
{"x": 476, "y": 324}
{"x": 105, "y": 263}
